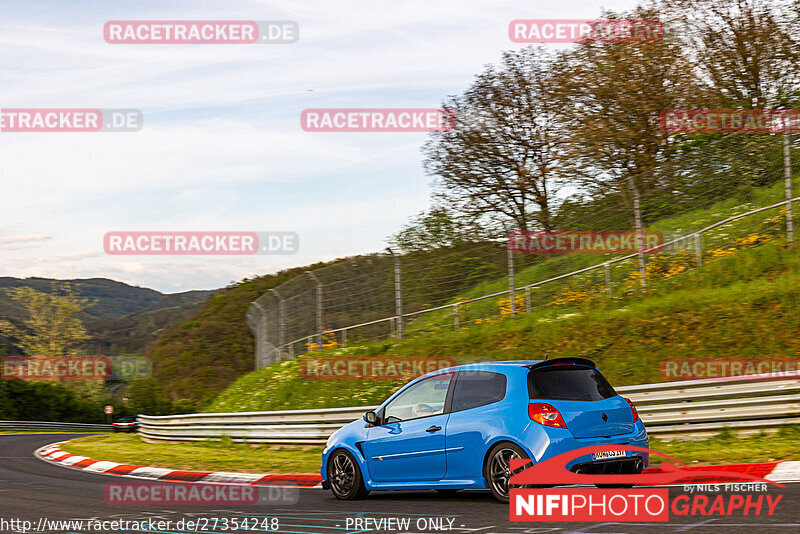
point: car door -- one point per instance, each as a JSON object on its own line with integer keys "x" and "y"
{"x": 476, "y": 416}
{"x": 409, "y": 444}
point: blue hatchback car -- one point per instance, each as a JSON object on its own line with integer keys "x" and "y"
{"x": 458, "y": 428}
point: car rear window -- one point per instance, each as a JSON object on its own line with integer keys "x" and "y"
{"x": 478, "y": 388}
{"x": 568, "y": 383}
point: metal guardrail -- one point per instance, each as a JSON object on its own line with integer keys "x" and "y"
{"x": 298, "y": 427}
{"x": 51, "y": 425}
{"x": 695, "y": 407}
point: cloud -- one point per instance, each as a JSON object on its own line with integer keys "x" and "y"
{"x": 221, "y": 146}
{"x": 23, "y": 241}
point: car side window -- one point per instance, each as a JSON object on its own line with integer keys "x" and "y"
{"x": 420, "y": 400}
{"x": 478, "y": 388}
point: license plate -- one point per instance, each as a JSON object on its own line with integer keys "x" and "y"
{"x": 605, "y": 455}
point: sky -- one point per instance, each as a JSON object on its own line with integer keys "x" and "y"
{"x": 222, "y": 147}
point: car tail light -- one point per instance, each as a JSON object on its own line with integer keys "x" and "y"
{"x": 546, "y": 414}
{"x": 633, "y": 410}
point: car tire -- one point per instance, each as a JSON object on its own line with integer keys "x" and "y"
{"x": 344, "y": 476}
{"x": 497, "y": 470}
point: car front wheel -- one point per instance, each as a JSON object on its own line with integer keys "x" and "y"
{"x": 498, "y": 469}
{"x": 344, "y": 476}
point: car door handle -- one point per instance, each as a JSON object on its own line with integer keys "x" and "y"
{"x": 433, "y": 429}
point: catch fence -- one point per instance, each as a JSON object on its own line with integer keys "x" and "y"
{"x": 703, "y": 211}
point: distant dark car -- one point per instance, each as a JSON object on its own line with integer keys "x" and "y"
{"x": 126, "y": 424}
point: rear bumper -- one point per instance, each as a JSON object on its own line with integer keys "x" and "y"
{"x": 547, "y": 442}
{"x": 621, "y": 466}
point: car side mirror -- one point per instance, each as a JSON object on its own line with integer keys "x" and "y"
{"x": 371, "y": 418}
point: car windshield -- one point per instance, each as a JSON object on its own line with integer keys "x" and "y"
{"x": 568, "y": 383}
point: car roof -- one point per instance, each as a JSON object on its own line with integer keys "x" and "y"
{"x": 508, "y": 364}
{"x": 498, "y": 365}
{"x": 518, "y": 363}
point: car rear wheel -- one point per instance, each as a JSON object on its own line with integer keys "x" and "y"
{"x": 498, "y": 469}
{"x": 344, "y": 477}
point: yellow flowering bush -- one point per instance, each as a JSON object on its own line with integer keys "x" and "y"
{"x": 576, "y": 294}
{"x": 328, "y": 342}
{"x": 505, "y": 305}
{"x": 657, "y": 267}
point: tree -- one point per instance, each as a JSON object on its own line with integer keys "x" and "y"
{"x": 612, "y": 94}
{"x": 501, "y": 158}
{"x": 53, "y": 329}
{"x": 747, "y": 50}
{"x": 434, "y": 229}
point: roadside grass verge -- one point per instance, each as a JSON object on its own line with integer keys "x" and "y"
{"x": 570, "y": 293}
{"x": 52, "y": 432}
{"x": 210, "y": 456}
{"x": 724, "y": 448}
{"x": 743, "y": 305}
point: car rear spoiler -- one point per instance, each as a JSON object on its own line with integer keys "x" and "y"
{"x": 562, "y": 361}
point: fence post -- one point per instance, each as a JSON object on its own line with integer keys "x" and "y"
{"x": 511, "y": 280}
{"x": 607, "y": 273}
{"x": 698, "y": 249}
{"x": 319, "y": 309}
{"x": 398, "y": 294}
{"x": 787, "y": 172}
{"x": 455, "y": 316}
{"x": 344, "y": 337}
{"x": 281, "y": 323}
{"x": 261, "y": 336}
{"x": 637, "y": 214}
{"x": 527, "y": 300}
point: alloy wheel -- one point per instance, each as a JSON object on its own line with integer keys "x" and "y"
{"x": 500, "y": 470}
{"x": 343, "y": 474}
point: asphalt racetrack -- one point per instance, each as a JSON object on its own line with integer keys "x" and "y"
{"x": 43, "y": 493}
